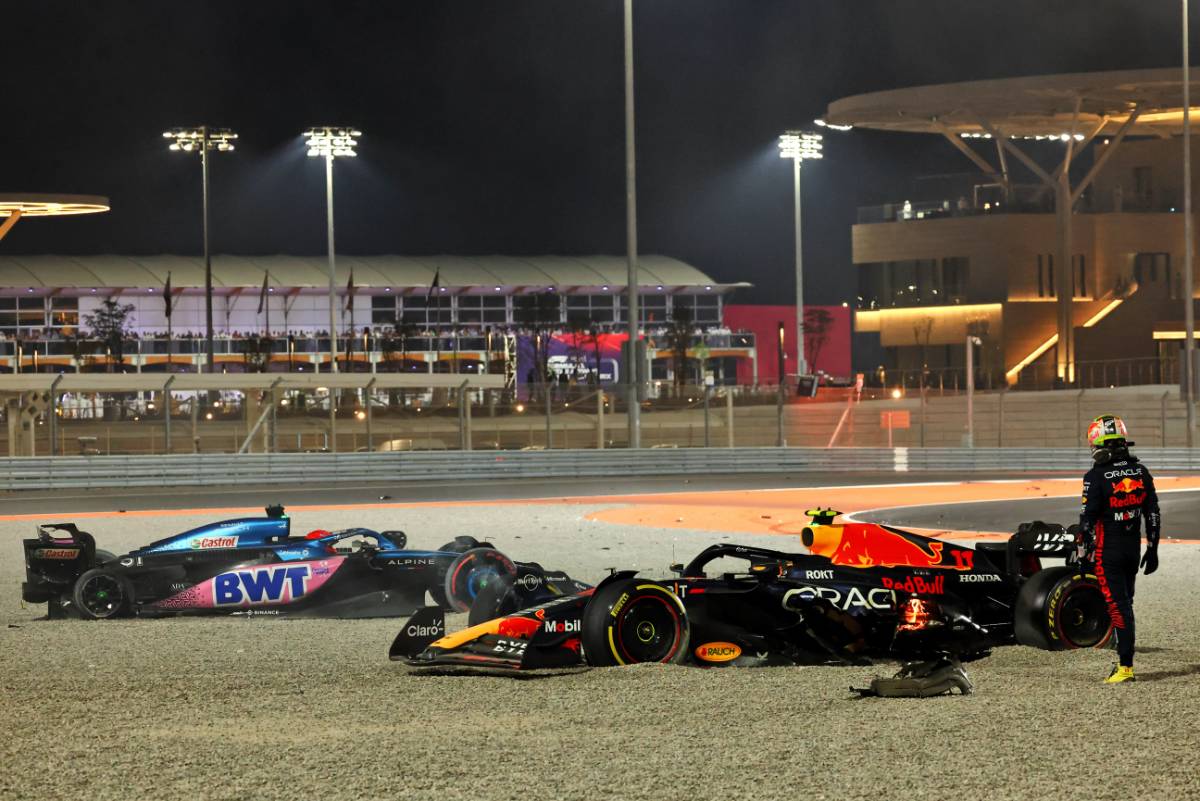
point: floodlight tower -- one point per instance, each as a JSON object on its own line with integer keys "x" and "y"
{"x": 798, "y": 146}
{"x": 634, "y": 384}
{"x": 331, "y": 142}
{"x": 201, "y": 140}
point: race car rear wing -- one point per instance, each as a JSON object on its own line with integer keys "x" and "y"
{"x": 53, "y": 562}
{"x": 1039, "y": 539}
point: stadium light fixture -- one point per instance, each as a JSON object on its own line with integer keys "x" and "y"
{"x": 331, "y": 142}
{"x": 202, "y": 140}
{"x": 798, "y": 146}
{"x": 336, "y": 142}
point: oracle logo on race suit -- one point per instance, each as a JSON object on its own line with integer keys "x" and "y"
{"x": 263, "y": 585}
{"x": 1133, "y": 472}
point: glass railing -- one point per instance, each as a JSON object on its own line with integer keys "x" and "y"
{"x": 225, "y": 346}
{"x": 1034, "y": 203}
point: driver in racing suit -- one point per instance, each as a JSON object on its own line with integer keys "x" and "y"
{"x": 1118, "y": 493}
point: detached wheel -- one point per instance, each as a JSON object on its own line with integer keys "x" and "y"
{"x": 471, "y": 573}
{"x": 633, "y": 621}
{"x": 1057, "y": 610}
{"x": 100, "y": 595}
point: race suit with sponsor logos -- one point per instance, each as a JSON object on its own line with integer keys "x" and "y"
{"x": 1117, "y": 497}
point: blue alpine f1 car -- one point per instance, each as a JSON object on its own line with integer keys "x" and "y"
{"x": 252, "y": 566}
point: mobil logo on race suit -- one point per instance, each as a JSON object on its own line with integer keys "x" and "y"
{"x": 870, "y": 545}
{"x": 261, "y": 585}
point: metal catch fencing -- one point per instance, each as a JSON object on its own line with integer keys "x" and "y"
{"x": 33, "y": 473}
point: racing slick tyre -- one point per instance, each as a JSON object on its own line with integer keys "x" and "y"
{"x": 496, "y": 599}
{"x": 105, "y": 556}
{"x": 457, "y": 545}
{"x": 1059, "y": 610}
{"x": 100, "y": 594}
{"x": 635, "y": 620}
{"x": 471, "y": 573}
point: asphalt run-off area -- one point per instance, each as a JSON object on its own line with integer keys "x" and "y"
{"x": 270, "y": 708}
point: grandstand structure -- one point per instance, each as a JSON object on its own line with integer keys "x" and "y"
{"x": 454, "y": 314}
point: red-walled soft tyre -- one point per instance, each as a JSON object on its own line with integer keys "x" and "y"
{"x": 1060, "y": 610}
{"x": 635, "y": 620}
{"x": 470, "y": 573}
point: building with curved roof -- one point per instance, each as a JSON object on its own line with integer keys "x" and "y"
{"x": 453, "y": 302}
{"x": 400, "y": 273}
{"x": 52, "y": 291}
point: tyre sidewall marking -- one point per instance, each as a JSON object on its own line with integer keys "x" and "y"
{"x": 660, "y": 594}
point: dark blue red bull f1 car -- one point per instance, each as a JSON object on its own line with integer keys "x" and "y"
{"x": 255, "y": 566}
{"x": 862, "y": 591}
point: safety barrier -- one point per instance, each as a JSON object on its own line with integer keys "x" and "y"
{"x": 456, "y": 466}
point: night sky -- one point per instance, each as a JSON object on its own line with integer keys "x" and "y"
{"x": 496, "y": 126}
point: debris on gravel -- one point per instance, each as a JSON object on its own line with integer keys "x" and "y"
{"x": 266, "y": 708}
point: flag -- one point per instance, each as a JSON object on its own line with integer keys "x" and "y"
{"x": 437, "y": 279}
{"x": 350, "y": 291}
{"x": 262, "y": 295}
{"x": 167, "y": 295}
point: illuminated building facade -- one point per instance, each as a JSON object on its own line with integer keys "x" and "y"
{"x": 1063, "y": 253}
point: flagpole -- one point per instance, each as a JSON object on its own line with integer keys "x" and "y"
{"x": 170, "y": 339}
{"x": 350, "y": 308}
{"x": 437, "y": 340}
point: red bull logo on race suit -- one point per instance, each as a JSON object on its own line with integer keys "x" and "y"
{"x": 1128, "y": 485}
